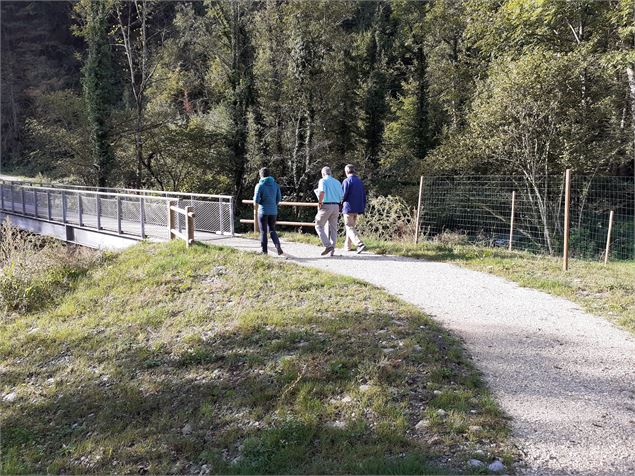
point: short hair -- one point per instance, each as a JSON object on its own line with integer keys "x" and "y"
{"x": 264, "y": 172}
{"x": 349, "y": 169}
{"x": 326, "y": 170}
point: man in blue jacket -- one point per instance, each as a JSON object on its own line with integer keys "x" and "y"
{"x": 267, "y": 195}
{"x": 354, "y": 198}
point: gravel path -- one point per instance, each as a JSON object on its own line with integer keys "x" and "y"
{"x": 566, "y": 378}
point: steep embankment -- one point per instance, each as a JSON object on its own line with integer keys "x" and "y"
{"x": 167, "y": 360}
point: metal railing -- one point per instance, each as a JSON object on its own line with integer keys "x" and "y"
{"x": 129, "y": 214}
{"x": 214, "y": 213}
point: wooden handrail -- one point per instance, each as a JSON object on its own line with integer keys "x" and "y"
{"x": 287, "y": 204}
{"x": 283, "y": 223}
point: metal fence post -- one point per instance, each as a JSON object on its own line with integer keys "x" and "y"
{"x": 22, "y": 197}
{"x": 118, "y": 214}
{"x": 2, "y": 194}
{"x": 142, "y": 205}
{"x": 35, "y": 202}
{"x": 63, "y": 206}
{"x": 48, "y": 205}
{"x": 80, "y": 211}
{"x": 220, "y": 213}
{"x": 231, "y": 215}
{"x": 12, "y": 198}
{"x": 98, "y": 210}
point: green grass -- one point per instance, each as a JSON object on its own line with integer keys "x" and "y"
{"x": 608, "y": 291}
{"x": 163, "y": 359}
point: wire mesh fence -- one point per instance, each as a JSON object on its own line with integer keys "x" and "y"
{"x": 480, "y": 209}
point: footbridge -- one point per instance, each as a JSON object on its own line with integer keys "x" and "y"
{"x": 112, "y": 218}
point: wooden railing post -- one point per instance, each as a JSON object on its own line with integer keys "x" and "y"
{"x": 567, "y": 219}
{"x": 189, "y": 225}
{"x": 256, "y": 226}
{"x": 171, "y": 221}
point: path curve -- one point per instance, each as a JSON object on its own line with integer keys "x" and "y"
{"x": 566, "y": 378}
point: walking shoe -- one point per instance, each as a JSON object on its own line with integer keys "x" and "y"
{"x": 361, "y": 248}
{"x": 280, "y": 252}
{"x": 327, "y": 250}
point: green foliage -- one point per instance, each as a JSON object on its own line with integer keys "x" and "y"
{"x": 220, "y": 88}
{"x": 97, "y": 81}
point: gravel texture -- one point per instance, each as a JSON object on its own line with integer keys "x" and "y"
{"x": 566, "y": 378}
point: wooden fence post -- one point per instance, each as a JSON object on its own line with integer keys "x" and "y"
{"x": 171, "y": 221}
{"x": 189, "y": 225}
{"x": 511, "y": 221}
{"x": 418, "y": 210}
{"x": 608, "y": 239}
{"x": 256, "y": 227}
{"x": 567, "y": 219}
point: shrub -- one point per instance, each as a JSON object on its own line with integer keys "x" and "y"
{"x": 36, "y": 271}
{"x": 387, "y": 218}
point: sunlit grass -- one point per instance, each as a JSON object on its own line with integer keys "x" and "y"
{"x": 163, "y": 360}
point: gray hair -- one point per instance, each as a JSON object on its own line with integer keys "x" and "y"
{"x": 326, "y": 170}
{"x": 350, "y": 169}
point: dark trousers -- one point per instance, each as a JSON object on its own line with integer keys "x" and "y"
{"x": 268, "y": 222}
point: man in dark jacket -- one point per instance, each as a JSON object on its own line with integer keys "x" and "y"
{"x": 354, "y": 205}
{"x": 267, "y": 195}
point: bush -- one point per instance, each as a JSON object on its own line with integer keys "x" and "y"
{"x": 387, "y": 218}
{"x": 36, "y": 271}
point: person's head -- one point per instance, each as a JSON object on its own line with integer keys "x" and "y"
{"x": 264, "y": 172}
{"x": 350, "y": 170}
{"x": 326, "y": 171}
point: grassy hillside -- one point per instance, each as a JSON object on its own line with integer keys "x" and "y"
{"x": 210, "y": 360}
{"x": 607, "y": 291}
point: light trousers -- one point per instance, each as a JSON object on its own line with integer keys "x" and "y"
{"x": 352, "y": 238}
{"x": 326, "y": 218}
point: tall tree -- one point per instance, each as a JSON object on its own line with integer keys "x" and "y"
{"x": 97, "y": 84}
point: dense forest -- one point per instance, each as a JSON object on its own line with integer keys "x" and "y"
{"x": 198, "y": 95}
